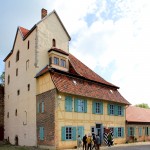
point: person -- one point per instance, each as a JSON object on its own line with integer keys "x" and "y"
{"x": 109, "y": 139}
{"x": 84, "y": 142}
{"x": 79, "y": 142}
{"x": 98, "y": 141}
{"x": 94, "y": 141}
{"x": 89, "y": 142}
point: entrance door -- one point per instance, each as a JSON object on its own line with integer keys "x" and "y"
{"x": 99, "y": 131}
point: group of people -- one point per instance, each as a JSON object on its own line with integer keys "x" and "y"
{"x": 89, "y": 142}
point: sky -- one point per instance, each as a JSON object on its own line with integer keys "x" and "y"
{"x": 109, "y": 36}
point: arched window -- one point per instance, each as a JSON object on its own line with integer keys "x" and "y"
{"x": 16, "y": 112}
{"x": 28, "y": 44}
{"x": 53, "y": 43}
{"x": 8, "y": 79}
{"x": 17, "y": 56}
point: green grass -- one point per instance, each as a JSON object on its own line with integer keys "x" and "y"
{"x": 11, "y": 147}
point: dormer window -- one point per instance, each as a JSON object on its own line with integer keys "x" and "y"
{"x": 53, "y": 43}
{"x": 56, "y": 61}
{"x": 17, "y": 56}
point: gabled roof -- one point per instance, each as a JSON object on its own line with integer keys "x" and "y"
{"x": 25, "y": 32}
{"x": 86, "y": 72}
{"x": 137, "y": 114}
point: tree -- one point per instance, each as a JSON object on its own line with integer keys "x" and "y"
{"x": 2, "y": 78}
{"x": 143, "y": 105}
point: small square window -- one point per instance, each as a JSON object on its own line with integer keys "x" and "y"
{"x": 56, "y": 61}
{"x": 63, "y": 63}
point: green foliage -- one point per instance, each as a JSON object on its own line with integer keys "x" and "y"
{"x": 2, "y": 78}
{"x": 143, "y": 105}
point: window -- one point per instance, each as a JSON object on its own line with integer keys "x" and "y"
{"x": 16, "y": 112}
{"x": 7, "y": 114}
{"x": 147, "y": 131}
{"x": 8, "y": 81}
{"x": 120, "y": 132}
{"x": 18, "y": 92}
{"x": 97, "y": 107}
{"x": 80, "y": 105}
{"x": 53, "y": 43}
{"x": 9, "y": 64}
{"x": 62, "y": 63}
{"x": 111, "y": 109}
{"x": 56, "y": 61}
{"x": 17, "y": 56}
{"x": 17, "y": 72}
{"x": 41, "y": 133}
{"x": 28, "y": 44}
{"x": 130, "y": 131}
{"x": 119, "y": 110}
{"x": 41, "y": 107}
{"x": 28, "y": 87}
{"x": 68, "y": 133}
{"x": 68, "y": 103}
{"x": 27, "y": 64}
{"x": 140, "y": 131}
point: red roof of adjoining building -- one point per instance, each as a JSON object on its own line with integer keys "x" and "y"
{"x": 137, "y": 114}
{"x": 72, "y": 85}
{"x": 86, "y": 72}
{"x": 23, "y": 31}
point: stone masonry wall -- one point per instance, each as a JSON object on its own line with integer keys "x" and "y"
{"x": 1, "y": 112}
{"x": 47, "y": 118}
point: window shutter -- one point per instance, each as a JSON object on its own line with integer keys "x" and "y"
{"x": 94, "y": 107}
{"x": 101, "y": 108}
{"x": 108, "y": 109}
{"x": 80, "y": 131}
{"x": 128, "y": 131}
{"x": 148, "y": 131}
{"x": 116, "y": 132}
{"x": 42, "y": 107}
{"x": 85, "y": 106}
{"x": 116, "y": 110}
{"x": 76, "y": 105}
{"x": 41, "y": 133}
{"x": 68, "y": 103}
{"x": 140, "y": 131}
{"x": 73, "y": 133}
{"x": 122, "y": 132}
{"x": 63, "y": 133}
{"x": 133, "y": 131}
{"x": 122, "y": 111}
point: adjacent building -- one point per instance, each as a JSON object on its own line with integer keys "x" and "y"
{"x": 1, "y": 112}
{"x": 50, "y": 96}
{"x": 137, "y": 124}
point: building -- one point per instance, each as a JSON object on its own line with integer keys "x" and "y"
{"x": 137, "y": 124}
{"x": 1, "y": 112}
{"x": 50, "y": 96}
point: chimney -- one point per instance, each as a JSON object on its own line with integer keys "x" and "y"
{"x": 43, "y": 13}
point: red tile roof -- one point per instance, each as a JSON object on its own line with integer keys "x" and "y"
{"x": 73, "y": 85}
{"x": 23, "y": 31}
{"x": 86, "y": 72}
{"x": 58, "y": 50}
{"x": 137, "y": 114}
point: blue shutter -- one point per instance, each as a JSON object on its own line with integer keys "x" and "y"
{"x": 133, "y": 131}
{"x": 122, "y": 132}
{"x": 85, "y": 106}
{"x": 116, "y": 110}
{"x": 116, "y": 132}
{"x": 149, "y": 131}
{"x": 140, "y": 131}
{"x": 42, "y": 107}
{"x": 108, "y": 109}
{"x": 129, "y": 131}
{"x": 63, "y": 133}
{"x": 101, "y": 108}
{"x": 94, "y": 107}
{"x": 80, "y": 130}
{"x": 41, "y": 133}
{"x": 68, "y": 103}
{"x": 76, "y": 105}
{"x": 73, "y": 133}
{"x": 122, "y": 109}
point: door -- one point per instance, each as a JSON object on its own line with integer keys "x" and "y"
{"x": 99, "y": 131}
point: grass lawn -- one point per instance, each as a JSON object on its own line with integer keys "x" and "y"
{"x": 11, "y": 147}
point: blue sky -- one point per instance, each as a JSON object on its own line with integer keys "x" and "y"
{"x": 109, "y": 36}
